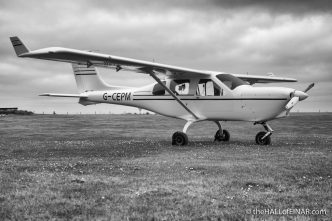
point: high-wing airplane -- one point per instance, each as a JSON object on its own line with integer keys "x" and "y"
{"x": 188, "y": 94}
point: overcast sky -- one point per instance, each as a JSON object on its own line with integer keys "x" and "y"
{"x": 290, "y": 38}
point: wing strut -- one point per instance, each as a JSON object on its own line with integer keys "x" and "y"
{"x": 153, "y": 75}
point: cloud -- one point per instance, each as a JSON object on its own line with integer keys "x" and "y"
{"x": 281, "y": 6}
{"x": 289, "y": 38}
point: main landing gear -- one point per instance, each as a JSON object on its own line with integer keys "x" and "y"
{"x": 221, "y": 135}
{"x": 180, "y": 138}
{"x": 264, "y": 138}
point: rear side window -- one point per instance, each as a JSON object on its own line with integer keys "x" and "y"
{"x": 158, "y": 89}
{"x": 180, "y": 87}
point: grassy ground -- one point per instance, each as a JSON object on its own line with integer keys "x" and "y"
{"x": 103, "y": 167}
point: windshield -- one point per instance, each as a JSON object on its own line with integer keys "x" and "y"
{"x": 230, "y": 81}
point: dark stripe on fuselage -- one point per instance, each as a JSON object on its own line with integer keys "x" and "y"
{"x": 17, "y": 45}
{"x": 208, "y": 99}
{"x": 84, "y": 70}
{"x": 205, "y": 99}
{"x": 87, "y": 74}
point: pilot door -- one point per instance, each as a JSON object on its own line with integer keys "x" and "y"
{"x": 211, "y": 98}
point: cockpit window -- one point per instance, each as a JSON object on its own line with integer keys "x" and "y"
{"x": 230, "y": 80}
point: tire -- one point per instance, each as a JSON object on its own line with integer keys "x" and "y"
{"x": 222, "y": 137}
{"x": 265, "y": 141}
{"x": 179, "y": 139}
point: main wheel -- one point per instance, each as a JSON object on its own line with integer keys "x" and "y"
{"x": 265, "y": 141}
{"x": 179, "y": 139}
{"x": 222, "y": 137}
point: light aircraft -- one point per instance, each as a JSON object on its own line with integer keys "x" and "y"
{"x": 188, "y": 94}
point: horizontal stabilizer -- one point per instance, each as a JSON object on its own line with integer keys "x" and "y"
{"x": 64, "y": 95}
{"x": 18, "y": 45}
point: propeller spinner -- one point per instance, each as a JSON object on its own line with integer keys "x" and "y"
{"x": 298, "y": 96}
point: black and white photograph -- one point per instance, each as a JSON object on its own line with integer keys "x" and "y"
{"x": 166, "y": 110}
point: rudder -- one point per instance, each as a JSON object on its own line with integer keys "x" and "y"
{"x": 18, "y": 45}
{"x": 87, "y": 78}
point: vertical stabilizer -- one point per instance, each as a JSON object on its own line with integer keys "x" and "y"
{"x": 18, "y": 45}
{"x": 88, "y": 79}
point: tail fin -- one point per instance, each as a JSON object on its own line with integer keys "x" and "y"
{"x": 18, "y": 45}
{"x": 87, "y": 79}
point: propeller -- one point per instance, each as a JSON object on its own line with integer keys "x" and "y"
{"x": 292, "y": 102}
{"x": 309, "y": 87}
{"x": 298, "y": 96}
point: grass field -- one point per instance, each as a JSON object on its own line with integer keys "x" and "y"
{"x": 123, "y": 167}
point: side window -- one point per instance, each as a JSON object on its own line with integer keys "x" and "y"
{"x": 206, "y": 87}
{"x": 158, "y": 89}
{"x": 180, "y": 87}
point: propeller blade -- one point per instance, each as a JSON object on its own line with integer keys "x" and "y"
{"x": 292, "y": 102}
{"x": 309, "y": 87}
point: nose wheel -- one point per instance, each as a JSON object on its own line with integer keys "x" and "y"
{"x": 264, "y": 138}
{"x": 261, "y": 139}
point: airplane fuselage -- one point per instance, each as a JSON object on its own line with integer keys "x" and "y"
{"x": 245, "y": 103}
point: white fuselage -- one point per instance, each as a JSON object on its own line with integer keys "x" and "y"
{"x": 244, "y": 103}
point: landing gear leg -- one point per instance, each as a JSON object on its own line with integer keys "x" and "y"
{"x": 221, "y": 135}
{"x": 264, "y": 138}
{"x": 180, "y": 138}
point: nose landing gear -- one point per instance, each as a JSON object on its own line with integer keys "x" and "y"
{"x": 264, "y": 138}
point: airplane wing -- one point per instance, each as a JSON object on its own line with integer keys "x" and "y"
{"x": 121, "y": 63}
{"x": 252, "y": 79}
{"x": 98, "y": 59}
